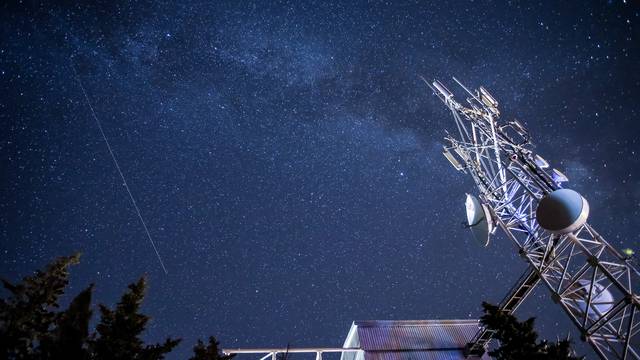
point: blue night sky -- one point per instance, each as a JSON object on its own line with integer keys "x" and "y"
{"x": 286, "y": 156}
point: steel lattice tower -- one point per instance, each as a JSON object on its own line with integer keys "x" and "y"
{"x": 595, "y": 284}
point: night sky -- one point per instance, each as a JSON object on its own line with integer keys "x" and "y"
{"x": 287, "y": 158}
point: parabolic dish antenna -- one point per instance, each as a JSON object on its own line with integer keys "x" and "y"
{"x": 479, "y": 220}
{"x": 601, "y": 298}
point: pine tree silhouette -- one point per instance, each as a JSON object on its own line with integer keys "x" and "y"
{"x": 519, "y": 341}
{"x": 119, "y": 330}
{"x": 209, "y": 352}
{"x": 33, "y": 327}
{"x": 68, "y": 339}
{"x": 27, "y": 316}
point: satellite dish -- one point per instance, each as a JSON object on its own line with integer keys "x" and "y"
{"x": 601, "y": 299}
{"x": 479, "y": 220}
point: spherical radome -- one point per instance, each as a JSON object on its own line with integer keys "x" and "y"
{"x": 562, "y": 211}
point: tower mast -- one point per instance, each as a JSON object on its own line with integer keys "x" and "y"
{"x": 595, "y": 285}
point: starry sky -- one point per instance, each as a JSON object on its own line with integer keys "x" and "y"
{"x": 286, "y": 156}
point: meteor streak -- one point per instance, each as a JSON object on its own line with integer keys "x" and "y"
{"x": 115, "y": 162}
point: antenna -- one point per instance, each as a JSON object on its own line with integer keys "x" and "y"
{"x": 590, "y": 280}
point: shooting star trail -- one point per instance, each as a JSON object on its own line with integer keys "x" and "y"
{"x": 115, "y": 162}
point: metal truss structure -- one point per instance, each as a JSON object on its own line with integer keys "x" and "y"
{"x": 595, "y": 284}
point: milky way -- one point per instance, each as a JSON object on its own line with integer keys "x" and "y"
{"x": 286, "y": 156}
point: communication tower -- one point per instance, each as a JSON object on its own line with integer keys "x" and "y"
{"x": 596, "y": 285}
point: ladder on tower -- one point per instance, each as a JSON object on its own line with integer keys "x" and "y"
{"x": 509, "y": 304}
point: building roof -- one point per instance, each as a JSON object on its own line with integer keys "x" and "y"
{"x": 410, "y": 339}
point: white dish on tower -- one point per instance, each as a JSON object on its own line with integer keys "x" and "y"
{"x": 601, "y": 298}
{"x": 479, "y": 220}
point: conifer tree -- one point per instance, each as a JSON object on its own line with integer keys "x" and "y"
{"x": 119, "y": 330}
{"x": 27, "y": 316}
{"x": 208, "y": 352}
{"x": 519, "y": 341}
{"x": 33, "y": 327}
{"x": 69, "y": 337}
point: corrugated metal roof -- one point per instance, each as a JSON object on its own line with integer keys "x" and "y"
{"x": 416, "y": 355}
{"x": 412, "y": 339}
{"x": 415, "y": 335}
